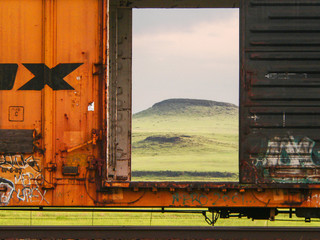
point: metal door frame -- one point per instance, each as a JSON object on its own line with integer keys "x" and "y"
{"x": 119, "y": 82}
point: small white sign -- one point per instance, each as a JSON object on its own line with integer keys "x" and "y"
{"x": 91, "y": 107}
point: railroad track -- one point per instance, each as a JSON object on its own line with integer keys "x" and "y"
{"x": 95, "y": 232}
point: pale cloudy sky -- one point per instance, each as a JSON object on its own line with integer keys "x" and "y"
{"x": 185, "y": 53}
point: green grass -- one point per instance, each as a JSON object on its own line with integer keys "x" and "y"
{"x": 208, "y": 141}
{"x": 141, "y": 219}
{"x": 151, "y": 177}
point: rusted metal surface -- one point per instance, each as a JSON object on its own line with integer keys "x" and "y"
{"x": 279, "y": 127}
{"x": 209, "y": 195}
{"x": 81, "y": 191}
{"x": 176, "y": 4}
{"x": 16, "y": 141}
{"x": 53, "y": 84}
{"x": 119, "y": 93}
{"x": 207, "y": 185}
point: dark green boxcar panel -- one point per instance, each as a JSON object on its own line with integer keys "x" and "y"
{"x": 280, "y": 91}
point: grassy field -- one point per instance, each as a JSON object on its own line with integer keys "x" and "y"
{"x": 206, "y": 140}
{"x": 134, "y": 219}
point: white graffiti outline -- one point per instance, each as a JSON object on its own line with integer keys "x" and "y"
{"x": 295, "y": 152}
{"x": 6, "y": 196}
{"x": 18, "y": 162}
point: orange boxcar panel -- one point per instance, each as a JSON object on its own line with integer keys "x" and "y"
{"x": 56, "y": 45}
{"x": 21, "y": 43}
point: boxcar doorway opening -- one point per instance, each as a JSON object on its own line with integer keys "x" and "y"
{"x": 185, "y": 94}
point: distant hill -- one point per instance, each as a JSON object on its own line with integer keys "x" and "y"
{"x": 184, "y": 140}
{"x": 184, "y": 106}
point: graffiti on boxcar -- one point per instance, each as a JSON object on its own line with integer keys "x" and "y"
{"x": 213, "y": 199}
{"x": 6, "y": 195}
{"x": 189, "y": 199}
{"x": 17, "y": 162}
{"x": 290, "y": 151}
{"x": 21, "y": 178}
{"x": 30, "y": 191}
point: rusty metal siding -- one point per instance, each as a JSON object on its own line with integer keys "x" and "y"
{"x": 52, "y": 91}
{"x": 280, "y": 86}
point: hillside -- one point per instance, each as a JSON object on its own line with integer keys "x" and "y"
{"x": 180, "y": 106}
{"x": 187, "y": 138}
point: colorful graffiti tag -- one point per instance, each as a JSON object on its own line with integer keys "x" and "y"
{"x": 21, "y": 178}
{"x": 289, "y": 159}
{"x": 290, "y": 151}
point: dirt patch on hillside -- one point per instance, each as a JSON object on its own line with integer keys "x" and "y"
{"x": 165, "y": 139}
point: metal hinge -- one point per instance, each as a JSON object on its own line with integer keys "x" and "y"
{"x": 51, "y": 167}
{"x": 98, "y": 164}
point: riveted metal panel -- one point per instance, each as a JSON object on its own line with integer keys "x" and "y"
{"x": 119, "y": 94}
{"x": 280, "y": 85}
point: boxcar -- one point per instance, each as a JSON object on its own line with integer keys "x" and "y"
{"x": 65, "y": 102}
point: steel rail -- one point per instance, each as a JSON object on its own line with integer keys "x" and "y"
{"x": 146, "y": 232}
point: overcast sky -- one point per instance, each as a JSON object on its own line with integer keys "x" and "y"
{"x": 180, "y": 53}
